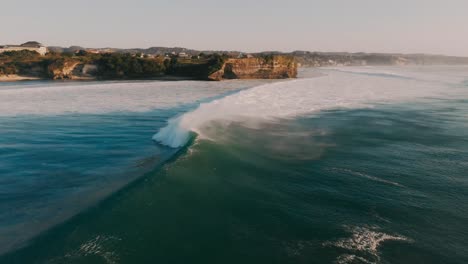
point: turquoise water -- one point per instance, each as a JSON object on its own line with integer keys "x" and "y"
{"x": 375, "y": 180}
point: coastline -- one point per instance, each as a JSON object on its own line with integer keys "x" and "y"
{"x": 15, "y": 78}
{"x": 126, "y": 67}
{"x": 20, "y": 78}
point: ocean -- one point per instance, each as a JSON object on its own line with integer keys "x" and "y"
{"x": 342, "y": 165}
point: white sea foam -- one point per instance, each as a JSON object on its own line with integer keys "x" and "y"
{"x": 296, "y": 98}
{"x": 364, "y": 244}
{"x": 367, "y": 176}
{"x": 100, "y": 246}
{"x": 365, "y": 239}
{"x": 90, "y": 98}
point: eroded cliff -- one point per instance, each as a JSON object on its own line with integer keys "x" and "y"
{"x": 114, "y": 66}
{"x": 269, "y": 67}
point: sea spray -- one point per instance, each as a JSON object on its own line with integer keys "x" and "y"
{"x": 172, "y": 134}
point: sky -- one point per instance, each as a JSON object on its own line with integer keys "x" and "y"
{"x": 401, "y": 26}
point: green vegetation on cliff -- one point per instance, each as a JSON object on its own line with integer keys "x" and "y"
{"x": 114, "y": 66}
{"x": 19, "y": 62}
{"x": 197, "y": 68}
{"x": 126, "y": 66}
{"x": 110, "y": 66}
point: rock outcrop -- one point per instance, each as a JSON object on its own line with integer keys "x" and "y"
{"x": 84, "y": 72}
{"x": 72, "y": 70}
{"x": 61, "y": 69}
{"x": 269, "y": 67}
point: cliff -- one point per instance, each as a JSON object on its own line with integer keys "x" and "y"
{"x": 61, "y": 69}
{"x": 268, "y": 67}
{"x": 116, "y": 66}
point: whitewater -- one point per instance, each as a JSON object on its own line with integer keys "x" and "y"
{"x": 337, "y": 88}
{"x": 59, "y": 98}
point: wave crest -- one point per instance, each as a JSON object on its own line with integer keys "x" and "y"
{"x": 295, "y": 98}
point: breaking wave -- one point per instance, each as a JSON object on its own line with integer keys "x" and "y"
{"x": 288, "y": 99}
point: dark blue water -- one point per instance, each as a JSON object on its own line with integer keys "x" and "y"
{"x": 386, "y": 184}
{"x": 52, "y": 167}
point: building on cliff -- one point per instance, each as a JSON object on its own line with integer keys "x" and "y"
{"x": 30, "y": 45}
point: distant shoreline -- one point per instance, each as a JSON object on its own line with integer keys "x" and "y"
{"x": 16, "y": 78}
{"x": 22, "y": 78}
{"x": 29, "y": 65}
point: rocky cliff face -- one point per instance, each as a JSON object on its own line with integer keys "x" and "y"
{"x": 84, "y": 71}
{"x": 270, "y": 67}
{"x": 211, "y": 68}
{"x": 71, "y": 70}
{"x": 61, "y": 69}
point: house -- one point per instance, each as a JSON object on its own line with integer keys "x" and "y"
{"x": 30, "y": 45}
{"x": 242, "y": 56}
{"x": 93, "y": 51}
{"x": 183, "y": 55}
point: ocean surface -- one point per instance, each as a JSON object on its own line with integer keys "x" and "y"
{"x": 343, "y": 165}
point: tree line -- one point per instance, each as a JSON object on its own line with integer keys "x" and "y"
{"x": 111, "y": 65}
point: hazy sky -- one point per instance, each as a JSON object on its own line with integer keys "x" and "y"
{"x": 429, "y": 26}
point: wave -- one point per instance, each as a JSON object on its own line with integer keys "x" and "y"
{"x": 372, "y": 71}
{"x": 367, "y": 176}
{"x": 443, "y": 74}
{"x": 289, "y": 99}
